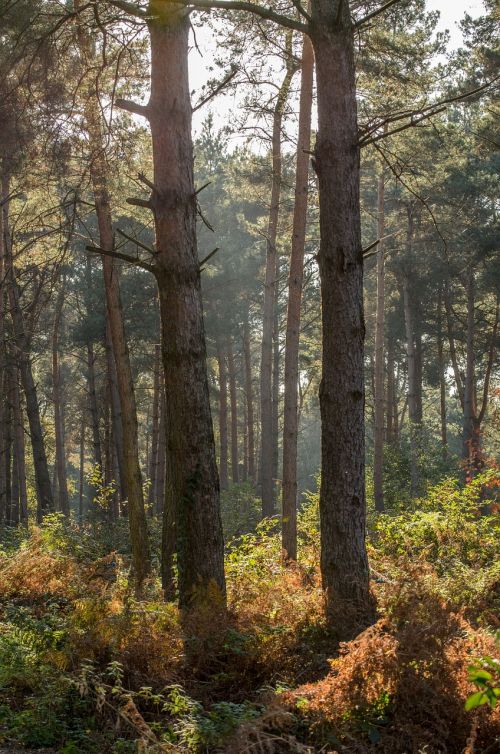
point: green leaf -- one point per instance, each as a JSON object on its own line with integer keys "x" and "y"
{"x": 476, "y": 700}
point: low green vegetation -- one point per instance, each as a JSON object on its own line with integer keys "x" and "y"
{"x": 85, "y": 667}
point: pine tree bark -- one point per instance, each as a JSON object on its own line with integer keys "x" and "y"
{"x": 295, "y": 281}
{"x": 471, "y": 435}
{"x": 62, "y": 480}
{"x": 442, "y": 379}
{"x": 93, "y": 407}
{"x": 268, "y": 313}
{"x": 250, "y": 419}
{"x": 379, "y": 388}
{"x": 45, "y": 500}
{"x": 223, "y": 424}
{"x": 344, "y": 562}
{"x": 155, "y": 421}
{"x": 116, "y": 416}
{"x": 141, "y": 561}
{"x": 414, "y": 413}
{"x": 20, "y": 448}
{"x": 235, "y": 475}
{"x": 193, "y": 479}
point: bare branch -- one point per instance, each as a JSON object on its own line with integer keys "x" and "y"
{"x": 205, "y": 185}
{"x": 147, "y": 182}
{"x": 132, "y": 107}
{"x": 209, "y": 256}
{"x": 136, "y": 241}
{"x": 130, "y": 8}
{"x": 374, "y": 13}
{"x": 257, "y": 10}
{"x": 412, "y": 123}
{"x": 124, "y": 257}
{"x": 217, "y": 89}
{"x": 139, "y": 202}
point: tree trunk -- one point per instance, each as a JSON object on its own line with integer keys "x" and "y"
{"x": 62, "y": 480}
{"x": 81, "y": 471}
{"x": 223, "y": 427}
{"x": 442, "y": 379}
{"x": 161, "y": 470}
{"x": 141, "y": 562}
{"x": 21, "y": 343}
{"x": 116, "y": 415}
{"x": 247, "y": 352}
{"x": 7, "y": 443}
{"x": 392, "y": 419}
{"x": 235, "y": 476}
{"x": 194, "y": 481}
{"x": 295, "y": 281}
{"x": 471, "y": 436}
{"x": 379, "y": 392}
{"x": 344, "y": 562}
{"x": 20, "y": 450}
{"x": 93, "y": 407}
{"x": 412, "y": 365}
{"x": 268, "y": 314}
{"x": 154, "y": 457}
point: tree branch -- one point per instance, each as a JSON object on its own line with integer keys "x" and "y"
{"x": 431, "y": 109}
{"x": 209, "y": 256}
{"x": 217, "y": 89}
{"x": 136, "y": 241}
{"x": 139, "y": 202}
{"x": 374, "y": 13}
{"x": 130, "y": 8}
{"x": 489, "y": 366}
{"x": 124, "y": 257}
{"x": 132, "y": 107}
{"x": 257, "y": 10}
{"x": 413, "y": 122}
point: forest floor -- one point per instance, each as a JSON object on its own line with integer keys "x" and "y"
{"x": 87, "y": 669}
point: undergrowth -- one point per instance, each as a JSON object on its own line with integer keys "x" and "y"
{"x": 85, "y": 667}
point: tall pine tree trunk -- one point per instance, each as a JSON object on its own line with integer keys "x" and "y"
{"x": 154, "y": 457}
{"x": 141, "y": 562}
{"x": 21, "y": 343}
{"x": 268, "y": 315}
{"x": 295, "y": 280}
{"x": 250, "y": 420}
{"x": 62, "y": 481}
{"x": 442, "y": 377}
{"x": 223, "y": 426}
{"x": 19, "y": 446}
{"x": 379, "y": 391}
{"x": 193, "y": 480}
{"x": 235, "y": 476}
{"x": 344, "y": 562}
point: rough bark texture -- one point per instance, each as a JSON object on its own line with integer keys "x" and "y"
{"x": 62, "y": 481}
{"x": 344, "y": 562}
{"x": 250, "y": 420}
{"x": 19, "y": 446}
{"x": 268, "y": 312}
{"x": 21, "y": 344}
{"x": 379, "y": 391}
{"x": 154, "y": 457}
{"x": 223, "y": 428}
{"x": 141, "y": 562}
{"x": 471, "y": 435}
{"x": 442, "y": 377}
{"x": 295, "y": 279}
{"x": 191, "y": 447}
{"x": 414, "y": 413}
{"x": 116, "y": 415}
{"x": 235, "y": 474}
